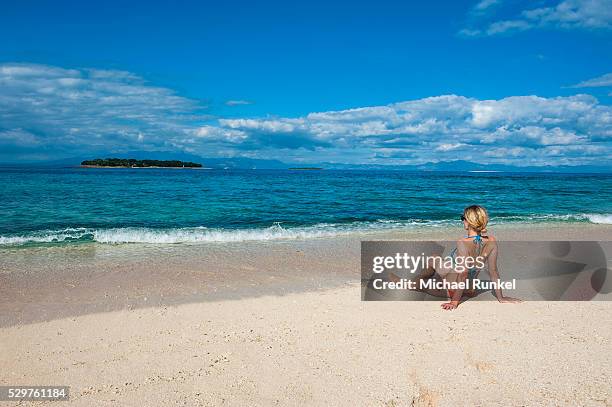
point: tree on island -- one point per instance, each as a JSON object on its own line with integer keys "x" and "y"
{"x": 132, "y": 163}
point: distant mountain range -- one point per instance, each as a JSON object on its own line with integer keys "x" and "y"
{"x": 234, "y": 163}
{"x": 467, "y": 166}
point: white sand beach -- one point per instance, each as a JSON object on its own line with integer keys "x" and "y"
{"x": 282, "y": 323}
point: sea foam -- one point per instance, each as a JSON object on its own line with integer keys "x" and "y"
{"x": 274, "y": 232}
{"x": 196, "y": 234}
{"x": 598, "y": 218}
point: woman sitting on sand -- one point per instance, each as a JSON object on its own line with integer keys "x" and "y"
{"x": 476, "y": 244}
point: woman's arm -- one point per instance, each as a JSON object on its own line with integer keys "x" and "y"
{"x": 492, "y": 264}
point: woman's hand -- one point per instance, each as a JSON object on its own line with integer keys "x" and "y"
{"x": 450, "y": 305}
{"x": 508, "y": 299}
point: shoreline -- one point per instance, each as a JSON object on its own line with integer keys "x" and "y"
{"x": 204, "y": 236}
{"x": 48, "y": 282}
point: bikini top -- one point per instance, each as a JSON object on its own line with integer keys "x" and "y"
{"x": 480, "y": 242}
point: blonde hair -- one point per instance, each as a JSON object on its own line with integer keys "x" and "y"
{"x": 477, "y": 218}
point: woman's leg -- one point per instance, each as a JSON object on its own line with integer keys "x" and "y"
{"x": 428, "y": 273}
{"x": 454, "y": 277}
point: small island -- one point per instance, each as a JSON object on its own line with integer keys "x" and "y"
{"x": 133, "y": 163}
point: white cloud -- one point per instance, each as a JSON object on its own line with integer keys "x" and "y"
{"x": 573, "y": 14}
{"x": 265, "y": 125}
{"x": 499, "y": 27}
{"x": 449, "y": 146}
{"x": 445, "y": 124}
{"x": 505, "y": 152}
{"x": 19, "y": 137}
{"x": 485, "y": 4}
{"x": 600, "y": 81}
{"x": 469, "y": 32}
{"x": 49, "y": 111}
{"x": 566, "y": 14}
{"x": 238, "y": 102}
{"x": 220, "y": 134}
{"x": 88, "y": 108}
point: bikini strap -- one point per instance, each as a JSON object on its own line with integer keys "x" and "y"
{"x": 478, "y": 240}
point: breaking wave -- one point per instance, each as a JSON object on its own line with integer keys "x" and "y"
{"x": 196, "y": 234}
{"x": 275, "y": 232}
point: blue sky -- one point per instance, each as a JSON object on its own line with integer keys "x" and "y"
{"x": 525, "y": 83}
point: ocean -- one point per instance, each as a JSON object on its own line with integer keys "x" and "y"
{"x": 60, "y": 206}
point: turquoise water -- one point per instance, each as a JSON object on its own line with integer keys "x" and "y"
{"x": 71, "y": 205}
